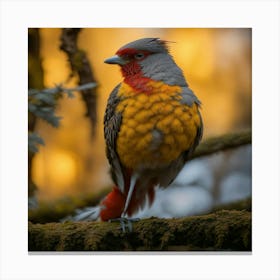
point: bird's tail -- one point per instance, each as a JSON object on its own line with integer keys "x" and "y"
{"x": 110, "y": 207}
{"x": 85, "y": 214}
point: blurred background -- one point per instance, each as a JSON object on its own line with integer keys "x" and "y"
{"x": 217, "y": 64}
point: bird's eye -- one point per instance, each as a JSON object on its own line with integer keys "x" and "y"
{"x": 139, "y": 55}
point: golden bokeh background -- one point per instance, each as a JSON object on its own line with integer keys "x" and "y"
{"x": 217, "y": 65}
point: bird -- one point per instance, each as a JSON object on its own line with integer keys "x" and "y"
{"x": 152, "y": 124}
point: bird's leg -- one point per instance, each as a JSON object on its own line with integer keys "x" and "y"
{"x": 127, "y": 222}
{"x": 133, "y": 180}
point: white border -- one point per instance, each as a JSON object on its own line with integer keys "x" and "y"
{"x": 262, "y": 16}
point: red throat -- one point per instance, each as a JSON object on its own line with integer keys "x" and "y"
{"x": 134, "y": 77}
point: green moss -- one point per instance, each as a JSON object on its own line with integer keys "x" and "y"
{"x": 219, "y": 231}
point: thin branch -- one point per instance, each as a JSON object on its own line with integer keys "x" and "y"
{"x": 59, "y": 88}
{"x": 222, "y": 142}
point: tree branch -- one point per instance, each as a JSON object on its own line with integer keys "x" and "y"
{"x": 81, "y": 65}
{"x": 222, "y": 142}
{"x": 221, "y": 231}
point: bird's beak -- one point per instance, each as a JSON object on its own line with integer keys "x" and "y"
{"x": 115, "y": 60}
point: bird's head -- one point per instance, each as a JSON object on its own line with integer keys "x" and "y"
{"x": 147, "y": 58}
{"x": 131, "y": 55}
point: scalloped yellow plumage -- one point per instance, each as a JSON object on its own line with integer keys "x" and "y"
{"x": 155, "y": 128}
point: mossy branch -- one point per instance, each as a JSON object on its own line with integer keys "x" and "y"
{"x": 222, "y": 142}
{"x": 221, "y": 231}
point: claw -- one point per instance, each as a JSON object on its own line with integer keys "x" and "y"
{"x": 125, "y": 223}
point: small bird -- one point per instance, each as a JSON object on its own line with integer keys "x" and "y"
{"x": 152, "y": 124}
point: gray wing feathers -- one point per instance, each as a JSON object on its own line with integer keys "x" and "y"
{"x": 197, "y": 139}
{"x": 168, "y": 174}
{"x": 112, "y": 123}
{"x": 189, "y": 97}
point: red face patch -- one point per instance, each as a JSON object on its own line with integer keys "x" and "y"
{"x": 132, "y": 71}
{"x": 132, "y": 54}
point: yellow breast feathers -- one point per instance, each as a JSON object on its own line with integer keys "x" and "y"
{"x": 155, "y": 128}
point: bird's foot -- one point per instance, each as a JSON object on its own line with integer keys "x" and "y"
{"x": 125, "y": 223}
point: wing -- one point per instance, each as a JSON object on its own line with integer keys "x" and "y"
{"x": 112, "y": 123}
{"x": 188, "y": 98}
{"x": 169, "y": 174}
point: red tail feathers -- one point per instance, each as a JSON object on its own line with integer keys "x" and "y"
{"x": 112, "y": 205}
{"x": 138, "y": 202}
